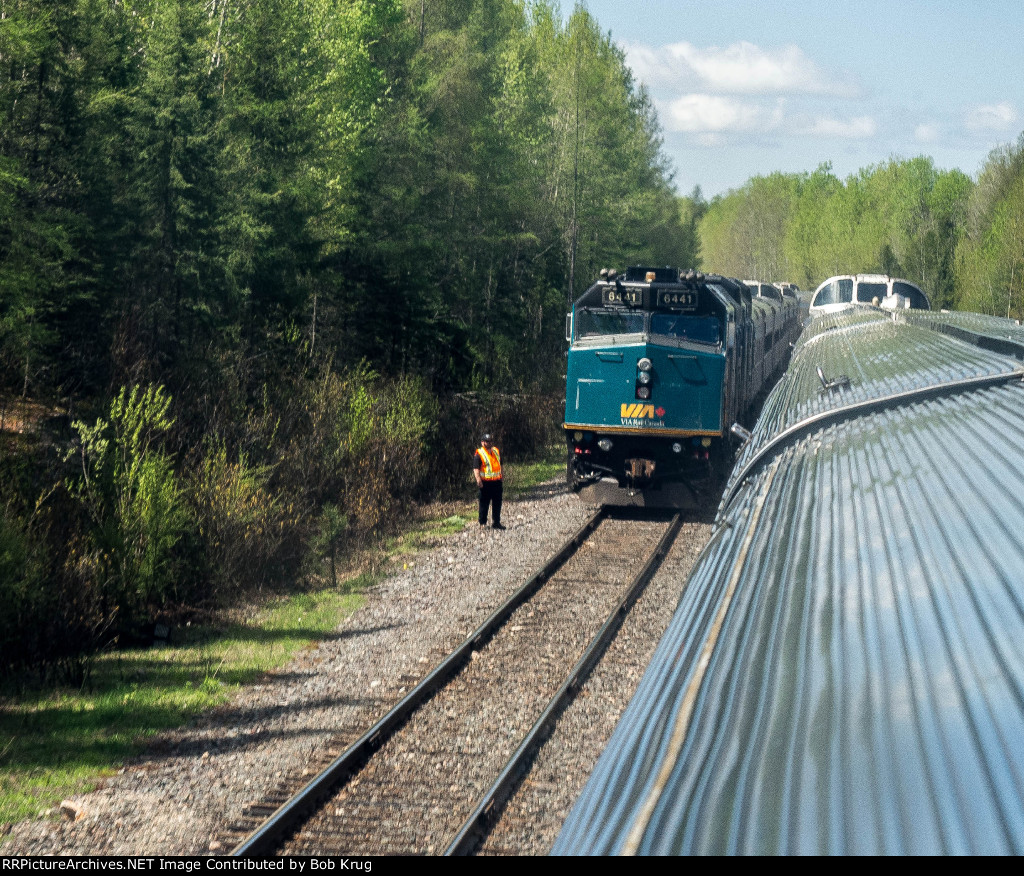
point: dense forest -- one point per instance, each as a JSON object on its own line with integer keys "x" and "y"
{"x": 191, "y": 187}
{"x": 266, "y": 266}
{"x": 961, "y": 240}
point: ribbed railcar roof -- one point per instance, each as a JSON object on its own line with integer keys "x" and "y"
{"x": 882, "y": 356}
{"x": 993, "y": 326}
{"x": 845, "y": 671}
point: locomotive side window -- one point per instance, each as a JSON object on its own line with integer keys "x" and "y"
{"x": 592, "y": 323}
{"x": 702, "y": 329}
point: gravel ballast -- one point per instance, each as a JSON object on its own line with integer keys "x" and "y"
{"x": 191, "y": 785}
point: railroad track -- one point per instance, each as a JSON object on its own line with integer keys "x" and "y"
{"x": 432, "y": 775}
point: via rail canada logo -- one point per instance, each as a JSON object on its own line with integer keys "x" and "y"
{"x": 642, "y": 415}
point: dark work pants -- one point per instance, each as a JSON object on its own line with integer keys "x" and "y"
{"x": 490, "y": 492}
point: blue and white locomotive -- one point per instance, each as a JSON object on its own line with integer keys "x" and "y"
{"x": 661, "y": 363}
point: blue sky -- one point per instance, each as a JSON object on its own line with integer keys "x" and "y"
{"x": 745, "y": 88}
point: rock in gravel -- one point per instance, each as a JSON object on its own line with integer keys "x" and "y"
{"x": 70, "y": 810}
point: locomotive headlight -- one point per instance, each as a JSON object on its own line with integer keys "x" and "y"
{"x": 605, "y": 444}
{"x": 644, "y": 377}
{"x": 677, "y": 447}
{"x": 644, "y": 364}
{"x": 643, "y": 392}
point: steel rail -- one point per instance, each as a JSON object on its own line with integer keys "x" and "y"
{"x": 286, "y": 819}
{"x": 492, "y": 801}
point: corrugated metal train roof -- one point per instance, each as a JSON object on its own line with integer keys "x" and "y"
{"x": 993, "y": 326}
{"x": 845, "y": 670}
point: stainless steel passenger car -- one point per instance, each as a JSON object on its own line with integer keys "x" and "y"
{"x": 844, "y": 673}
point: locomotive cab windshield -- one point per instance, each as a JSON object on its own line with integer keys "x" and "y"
{"x": 597, "y": 322}
{"x": 662, "y": 308}
{"x": 602, "y": 323}
{"x": 699, "y": 329}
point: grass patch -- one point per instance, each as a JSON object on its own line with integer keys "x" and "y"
{"x": 519, "y": 479}
{"x": 54, "y": 744}
{"x": 426, "y": 534}
{"x": 523, "y": 477}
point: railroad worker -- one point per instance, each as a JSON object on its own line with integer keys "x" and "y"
{"x": 487, "y": 471}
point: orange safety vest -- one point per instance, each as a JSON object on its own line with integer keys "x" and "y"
{"x": 491, "y": 470}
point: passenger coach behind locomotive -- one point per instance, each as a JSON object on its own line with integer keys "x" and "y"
{"x": 661, "y": 364}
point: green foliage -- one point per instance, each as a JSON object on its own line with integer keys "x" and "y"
{"x": 743, "y": 233}
{"x": 50, "y": 620}
{"x": 990, "y": 257}
{"x": 243, "y": 525}
{"x": 514, "y": 158}
{"x": 134, "y": 501}
{"x": 903, "y": 218}
{"x": 20, "y": 582}
{"x": 329, "y": 537}
{"x": 419, "y": 187}
{"x": 362, "y": 443}
{"x": 36, "y": 229}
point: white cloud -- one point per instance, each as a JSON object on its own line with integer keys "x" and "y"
{"x": 926, "y": 132}
{"x": 858, "y": 128}
{"x": 708, "y": 113}
{"x": 741, "y": 68}
{"x": 992, "y": 117}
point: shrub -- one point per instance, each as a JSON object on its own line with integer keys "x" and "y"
{"x": 130, "y": 492}
{"x": 51, "y": 615}
{"x": 19, "y": 583}
{"x": 361, "y": 445}
{"x": 329, "y": 537}
{"x": 524, "y": 426}
{"x": 243, "y": 525}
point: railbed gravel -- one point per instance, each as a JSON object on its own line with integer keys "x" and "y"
{"x": 182, "y": 796}
{"x": 422, "y": 784}
{"x": 533, "y": 816}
